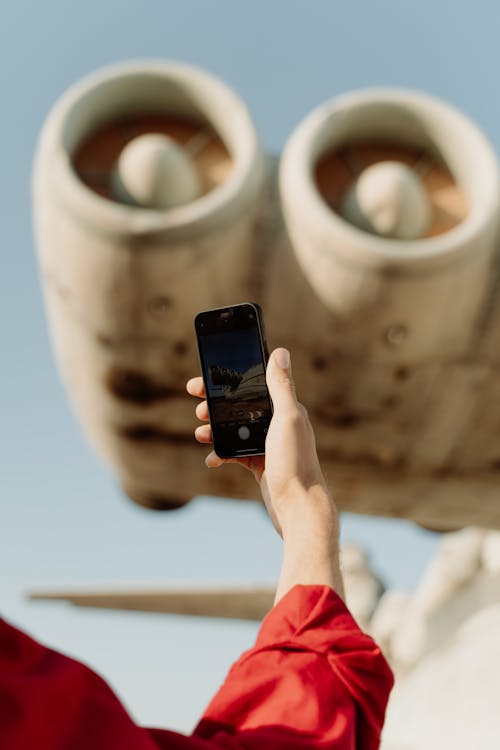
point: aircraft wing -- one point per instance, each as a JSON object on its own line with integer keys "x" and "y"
{"x": 241, "y": 603}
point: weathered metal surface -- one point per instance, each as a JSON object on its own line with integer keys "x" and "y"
{"x": 442, "y": 643}
{"x": 394, "y": 343}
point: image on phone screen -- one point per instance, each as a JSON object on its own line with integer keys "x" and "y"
{"x": 233, "y": 363}
{"x": 235, "y": 376}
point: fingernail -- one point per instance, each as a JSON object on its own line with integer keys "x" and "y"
{"x": 283, "y": 358}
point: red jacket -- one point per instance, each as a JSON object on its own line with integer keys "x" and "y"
{"x": 312, "y": 680}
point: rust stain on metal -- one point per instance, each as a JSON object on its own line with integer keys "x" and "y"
{"x": 337, "y": 400}
{"x": 136, "y": 387}
{"x": 156, "y": 501}
{"x": 365, "y": 458}
{"x": 389, "y": 402}
{"x": 159, "y": 305}
{"x": 181, "y": 348}
{"x": 337, "y": 413}
{"x": 346, "y": 420}
{"x": 128, "y": 340}
{"x": 148, "y": 433}
{"x": 104, "y": 340}
{"x": 401, "y": 373}
{"x": 319, "y": 363}
{"x": 444, "y": 471}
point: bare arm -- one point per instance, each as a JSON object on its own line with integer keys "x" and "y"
{"x": 310, "y": 544}
{"x": 292, "y": 483}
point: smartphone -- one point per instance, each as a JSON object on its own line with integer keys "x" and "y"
{"x": 233, "y": 357}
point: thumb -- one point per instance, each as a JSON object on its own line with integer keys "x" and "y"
{"x": 279, "y": 380}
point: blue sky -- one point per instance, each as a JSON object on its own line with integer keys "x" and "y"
{"x": 62, "y": 519}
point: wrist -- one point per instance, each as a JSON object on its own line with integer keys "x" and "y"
{"x": 310, "y": 528}
{"x": 310, "y": 510}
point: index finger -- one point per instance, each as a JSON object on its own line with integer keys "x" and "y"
{"x": 196, "y": 387}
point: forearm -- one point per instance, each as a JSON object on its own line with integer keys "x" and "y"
{"x": 311, "y": 544}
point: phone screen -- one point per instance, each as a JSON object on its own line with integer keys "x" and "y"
{"x": 233, "y": 358}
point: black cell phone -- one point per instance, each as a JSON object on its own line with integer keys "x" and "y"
{"x": 233, "y": 355}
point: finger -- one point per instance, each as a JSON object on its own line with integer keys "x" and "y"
{"x": 280, "y": 381}
{"x": 203, "y": 434}
{"x": 196, "y": 387}
{"x": 201, "y": 411}
{"x": 213, "y": 460}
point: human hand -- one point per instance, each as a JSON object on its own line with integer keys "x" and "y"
{"x": 290, "y": 469}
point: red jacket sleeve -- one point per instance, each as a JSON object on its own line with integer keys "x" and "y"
{"x": 312, "y": 680}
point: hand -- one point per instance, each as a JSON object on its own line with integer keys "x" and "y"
{"x": 291, "y": 481}
{"x": 290, "y": 467}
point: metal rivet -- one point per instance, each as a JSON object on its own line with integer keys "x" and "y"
{"x": 159, "y": 305}
{"x": 395, "y": 335}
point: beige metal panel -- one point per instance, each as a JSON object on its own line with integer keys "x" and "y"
{"x": 385, "y": 334}
{"x": 172, "y": 468}
{"x": 446, "y": 416}
{"x": 363, "y": 405}
{"x": 429, "y": 289}
{"x": 445, "y": 630}
{"x": 479, "y": 447}
{"x": 437, "y": 499}
{"x": 122, "y": 284}
{"x": 415, "y": 306}
{"x": 488, "y": 334}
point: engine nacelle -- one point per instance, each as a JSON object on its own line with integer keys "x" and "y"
{"x": 372, "y": 254}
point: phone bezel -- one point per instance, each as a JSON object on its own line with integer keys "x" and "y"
{"x": 208, "y": 321}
